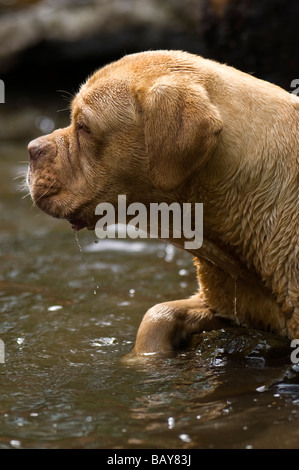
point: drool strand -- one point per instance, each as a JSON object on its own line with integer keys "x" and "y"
{"x": 96, "y": 287}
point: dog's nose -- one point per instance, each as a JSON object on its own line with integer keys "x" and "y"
{"x": 37, "y": 148}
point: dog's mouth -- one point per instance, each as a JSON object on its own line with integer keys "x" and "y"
{"x": 79, "y": 224}
{"x": 55, "y": 200}
{"x": 42, "y": 188}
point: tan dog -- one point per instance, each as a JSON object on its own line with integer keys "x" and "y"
{"x": 171, "y": 126}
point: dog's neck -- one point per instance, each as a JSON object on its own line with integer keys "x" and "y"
{"x": 221, "y": 258}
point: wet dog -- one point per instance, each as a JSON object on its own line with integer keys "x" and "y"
{"x": 168, "y": 126}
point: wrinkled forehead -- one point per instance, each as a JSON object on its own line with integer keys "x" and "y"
{"x": 108, "y": 101}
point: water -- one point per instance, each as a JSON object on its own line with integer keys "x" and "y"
{"x": 96, "y": 287}
{"x": 65, "y": 382}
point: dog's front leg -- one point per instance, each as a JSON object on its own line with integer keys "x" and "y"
{"x": 166, "y": 326}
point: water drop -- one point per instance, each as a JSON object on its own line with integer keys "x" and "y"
{"x": 185, "y": 437}
{"x": 183, "y": 272}
{"x": 171, "y": 422}
{"x": 235, "y": 301}
{"x": 15, "y": 443}
{"x": 54, "y": 308}
{"x": 132, "y": 292}
{"x": 169, "y": 253}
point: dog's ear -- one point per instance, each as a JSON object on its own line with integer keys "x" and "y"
{"x": 181, "y": 127}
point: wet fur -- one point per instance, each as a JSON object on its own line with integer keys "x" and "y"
{"x": 168, "y": 126}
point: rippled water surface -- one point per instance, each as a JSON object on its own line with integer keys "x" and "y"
{"x": 66, "y": 330}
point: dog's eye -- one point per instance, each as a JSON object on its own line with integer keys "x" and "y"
{"x": 81, "y": 126}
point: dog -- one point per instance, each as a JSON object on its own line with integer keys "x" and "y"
{"x": 170, "y": 126}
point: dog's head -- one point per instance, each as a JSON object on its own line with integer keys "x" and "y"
{"x": 140, "y": 126}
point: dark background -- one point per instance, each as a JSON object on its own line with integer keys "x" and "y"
{"x": 52, "y": 45}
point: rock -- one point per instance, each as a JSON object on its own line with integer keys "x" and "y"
{"x": 65, "y": 20}
{"x": 257, "y": 37}
{"x": 240, "y": 343}
{"x": 51, "y": 45}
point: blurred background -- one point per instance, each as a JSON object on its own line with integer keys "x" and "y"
{"x": 52, "y": 45}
